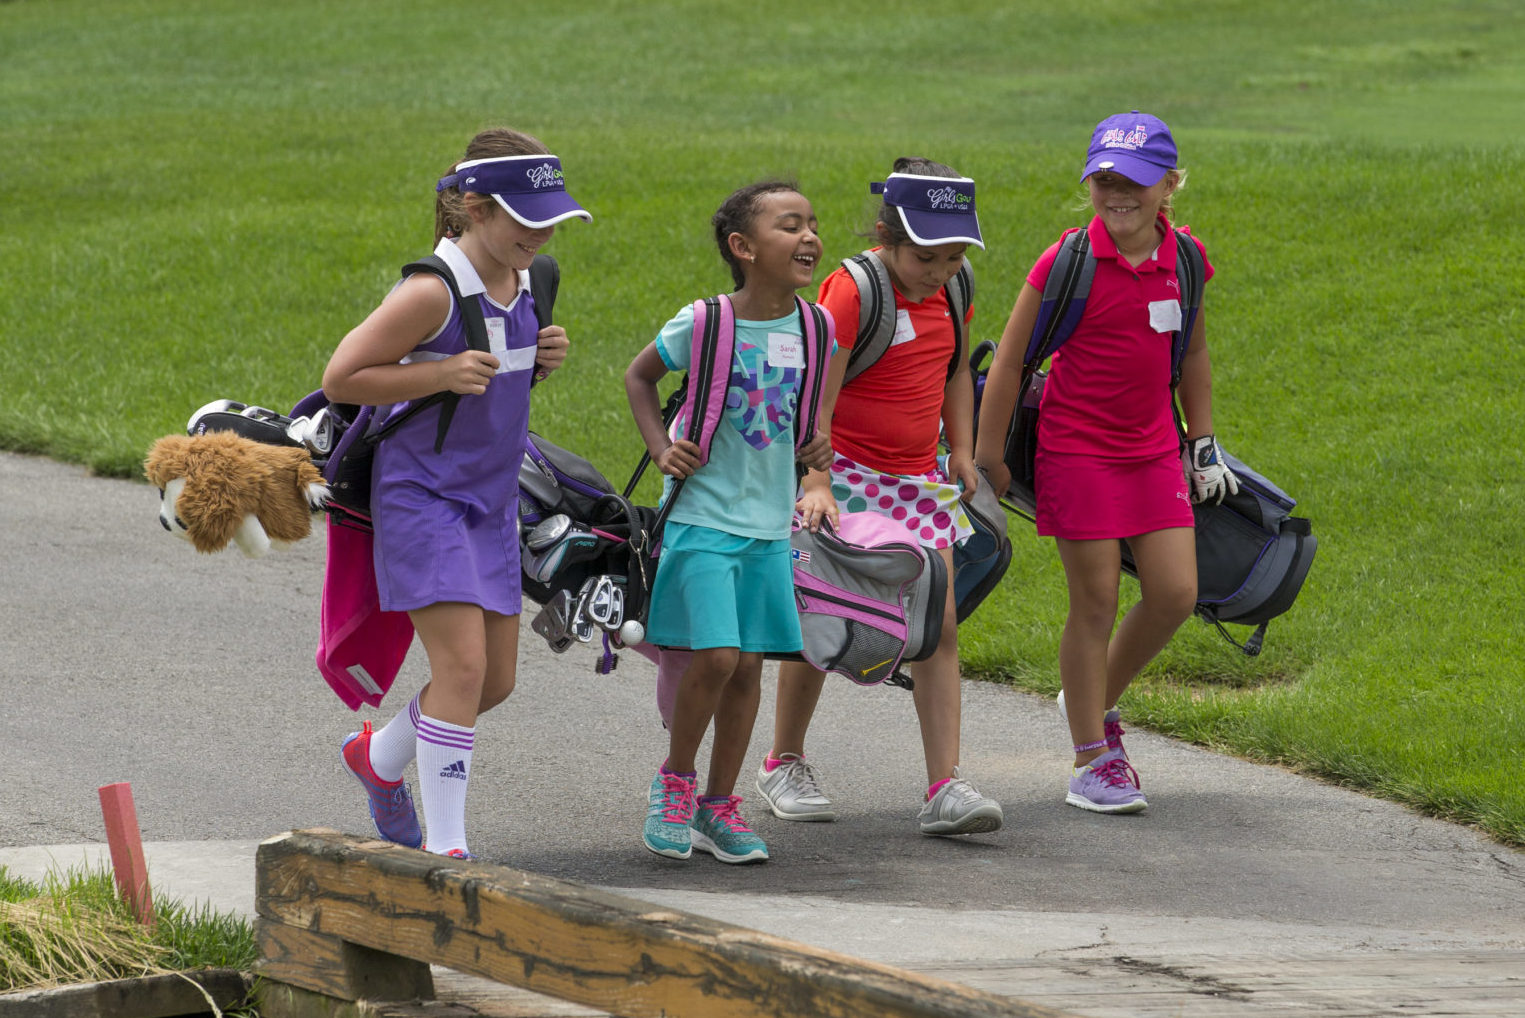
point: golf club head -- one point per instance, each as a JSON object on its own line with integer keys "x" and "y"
{"x": 546, "y": 564}
{"x": 547, "y": 532}
{"x": 551, "y": 621}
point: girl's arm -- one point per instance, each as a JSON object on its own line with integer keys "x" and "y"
{"x": 1196, "y": 388}
{"x": 680, "y": 458}
{"x": 364, "y": 369}
{"x": 1002, "y": 385}
{"x": 958, "y": 426}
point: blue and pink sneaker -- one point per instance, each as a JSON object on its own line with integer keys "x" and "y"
{"x": 390, "y": 801}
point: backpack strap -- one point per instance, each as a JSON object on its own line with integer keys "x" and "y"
{"x": 699, "y": 401}
{"x": 816, "y": 327}
{"x": 1064, "y": 297}
{"x": 713, "y": 343}
{"x": 876, "y": 311}
{"x": 1069, "y": 284}
{"x": 1192, "y": 275}
{"x": 476, "y": 339}
{"x": 545, "y": 280}
{"x": 960, "y": 293}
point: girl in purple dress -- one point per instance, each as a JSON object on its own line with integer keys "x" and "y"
{"x": 447, "y": 549}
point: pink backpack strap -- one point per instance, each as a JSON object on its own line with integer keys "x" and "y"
{"x": 819, "y": 330}
{"x": 709, "y": 372}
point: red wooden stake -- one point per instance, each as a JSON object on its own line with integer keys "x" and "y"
{"x": 126, "y": 843}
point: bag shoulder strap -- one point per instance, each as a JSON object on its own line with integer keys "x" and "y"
{"x": 876, "y": 312}
{"x": 1064, "y": 297}
{"x": 1069, "y": 284}
{"x": 545, "y": 280}
{"x": 960, "y": 293}
{"x": 1191, "y": 273}
{"x": 476, "y": 338}
{"x": 712, "y": 346}
{"x": 816, "y": 327}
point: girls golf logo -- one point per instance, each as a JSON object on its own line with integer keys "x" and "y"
{"x": 948, "y": 199}
{"x": 1132, "y": 140}
{"x": 545, "y": 175}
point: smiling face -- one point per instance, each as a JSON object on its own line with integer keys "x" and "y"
{"x": 919, "y": 272}
{"x": 503, "y": 238}
{"x": 780, "y": 247}
{"x": 1127, "y": 208}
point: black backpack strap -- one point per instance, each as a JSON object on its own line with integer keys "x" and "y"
{"x": 545, "y": 280}
{"x": 876, "y": 312}
{"x": 476, "y": 338}
{"x": 960, "y": 293}
{"x": 1191, "y": 273}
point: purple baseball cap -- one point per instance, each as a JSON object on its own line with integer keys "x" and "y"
{"x": 530, "y": 188}
{"x": 1135, "y": 145}
{"x": 935, "y": 210}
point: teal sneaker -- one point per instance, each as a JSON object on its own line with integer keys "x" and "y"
{"x": 719, "y": 830}
{"x": 671, "y": 807}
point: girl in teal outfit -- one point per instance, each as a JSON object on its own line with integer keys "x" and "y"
{"x": 724, "y": 586}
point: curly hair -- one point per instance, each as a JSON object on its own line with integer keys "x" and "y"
{"x": 736, "y": 214}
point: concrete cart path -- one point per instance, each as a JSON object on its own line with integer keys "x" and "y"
{"x": 1243, "y": 890}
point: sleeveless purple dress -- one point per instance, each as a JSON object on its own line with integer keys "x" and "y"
{"x": 447, "y": 522}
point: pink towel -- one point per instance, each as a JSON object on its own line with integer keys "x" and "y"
{"x": 360, "y": 647}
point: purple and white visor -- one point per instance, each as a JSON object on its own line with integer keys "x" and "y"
{"x": 530, "y": 188}
{"x": 935, "y": 210}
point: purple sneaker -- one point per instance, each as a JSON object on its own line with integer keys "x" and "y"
{"x": 1108, "y": 784}
{"x": 390, "y": 801}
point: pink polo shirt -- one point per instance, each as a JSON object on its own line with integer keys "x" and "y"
{"x": 1108, "y": 391}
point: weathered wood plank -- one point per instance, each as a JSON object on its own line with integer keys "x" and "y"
{"x": 578, "y": 944}
{"x": 145, "y": 997}
{"x": 338, "y": 968}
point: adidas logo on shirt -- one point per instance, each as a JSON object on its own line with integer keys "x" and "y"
{"x": 455, "y": 770}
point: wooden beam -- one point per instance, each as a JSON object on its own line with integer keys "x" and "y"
{"x": 338, "y": 968}
{"x": 164, "y": 996}
{"x": 574, "y": 943}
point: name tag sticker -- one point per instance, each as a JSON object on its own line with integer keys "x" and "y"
{"x": 1165, "y": 315}
{"x": 497, "y": 342}
{"x": 786, "y": 350}
{"x": 904, "y": 330}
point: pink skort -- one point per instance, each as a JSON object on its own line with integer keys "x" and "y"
{"x": 1087, "y": 498}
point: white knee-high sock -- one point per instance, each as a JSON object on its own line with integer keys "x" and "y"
{"x": 444, "y": 768}
{"x": 396, "y": 744}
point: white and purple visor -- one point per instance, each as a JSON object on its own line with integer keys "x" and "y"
{"x": 935, "y": 210}
{"x": 530, "y": 188}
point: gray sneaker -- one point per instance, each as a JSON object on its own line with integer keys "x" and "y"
{"x": 959, "y": 808}
{"x": 792, "y": 790}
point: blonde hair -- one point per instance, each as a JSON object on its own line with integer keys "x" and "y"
{"x": 452, "y": 208}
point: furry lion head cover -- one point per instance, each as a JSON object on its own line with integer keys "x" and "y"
{"x": 221, "y": 487}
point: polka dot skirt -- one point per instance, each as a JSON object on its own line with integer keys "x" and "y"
{"x": 926, "y": 504}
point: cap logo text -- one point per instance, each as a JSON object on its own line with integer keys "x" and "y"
{"x": 545, "y": 175}
{"x": 948, "y": 199}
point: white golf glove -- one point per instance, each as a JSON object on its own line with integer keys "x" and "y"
{"x": 1210, "y": 479}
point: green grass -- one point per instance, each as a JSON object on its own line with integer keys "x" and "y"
{"x": 72, "y": 927}
{"x": 197, "y": 201}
